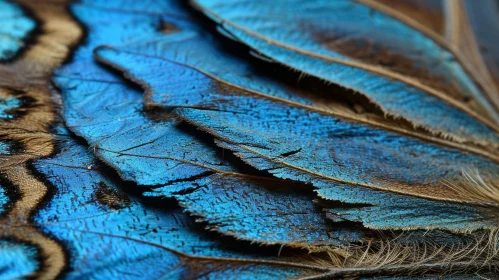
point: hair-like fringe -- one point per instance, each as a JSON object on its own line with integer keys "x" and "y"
{"x": 481, "y": 188}
{"x": 413, "y": 258}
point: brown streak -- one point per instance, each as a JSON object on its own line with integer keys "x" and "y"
{"x": 464, "y": 39}
{"x": 443, "y": 39}
{"x": 31, "y": 73}
{"x": 32, "y": 191}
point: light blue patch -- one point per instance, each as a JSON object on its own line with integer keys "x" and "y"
{"x": 7, "y": 106}
{"x": 14, "y": 29}
{"x": 4, "y": 199}
{"x": 4, "y": 148}
{"x": 17, "y": 261}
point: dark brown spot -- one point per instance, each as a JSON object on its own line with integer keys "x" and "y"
{"x": 110, "y": 197}
{"x": 166, "y": 27}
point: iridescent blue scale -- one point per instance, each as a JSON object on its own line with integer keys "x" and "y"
{"x": 14, "y": 30}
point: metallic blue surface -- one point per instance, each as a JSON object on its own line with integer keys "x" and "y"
{"x": 127, "y": 225}
{"x": 14, "y": 28}
{"x": 248, "y": 206}
{"x": 153, "y": 151}
{"x": 109, "y": 116}
{"x": 97, "y": 106}
{"x": 179, "y": 85}
{"x": 362, "y": 155}
{"x": 112, "y": 234}
{"x": 149, "y": 7}
{"x": 290, "y": 23}
{"x": 385, "y": 210}
{"x": 192, "y": 46}
{"x": 294, "y": 144}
